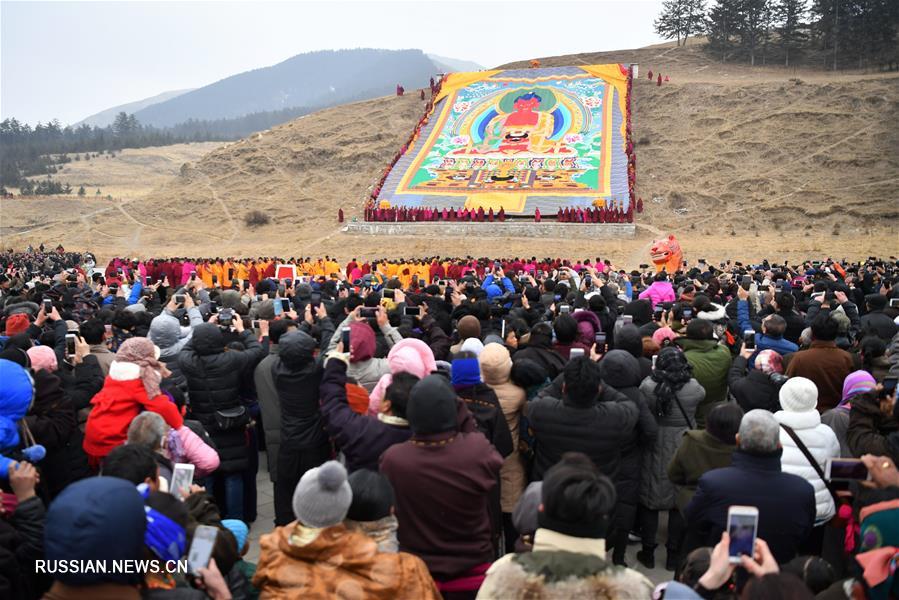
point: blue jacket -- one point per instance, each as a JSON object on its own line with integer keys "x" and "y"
{"x": 762, "y": 341}
{"x": 495, "y": 288}
{"x": 786, "y": 503}
{"x": 132, "y": 298}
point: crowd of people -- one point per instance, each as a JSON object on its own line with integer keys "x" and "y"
{"x": 447, "y": 427}
{"x": 614, "y": 213}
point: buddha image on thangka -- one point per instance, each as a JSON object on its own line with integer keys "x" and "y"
{"x": 518, "y": 136}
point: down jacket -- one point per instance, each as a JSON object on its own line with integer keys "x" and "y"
{"x": 297, "y": 376}
{"x": 659, "y": 291}
{"x": 213, "y": 379}
{"x": 496, "y": 367}
{"x": 821, "y": 441}
{"x": 656, "y": 490}
{"x": 621, "y": 371}
{"x": 711, "y": 364}
{"x": 598, "y": 430}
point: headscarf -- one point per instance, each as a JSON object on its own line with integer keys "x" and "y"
{"x": 671, "y": 373}
{"x": 142, "y": 352}
{"x": 769, "y": 361}
{"x": 856, "y": 383}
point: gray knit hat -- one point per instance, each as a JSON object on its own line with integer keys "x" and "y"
{"x": 323, "y": 496}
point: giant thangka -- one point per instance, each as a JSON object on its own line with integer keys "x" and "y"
{"x": 519, "y": 140}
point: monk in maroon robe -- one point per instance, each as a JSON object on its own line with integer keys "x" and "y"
{"x": 536, "y": 215}
{"x": 502, "y": 214}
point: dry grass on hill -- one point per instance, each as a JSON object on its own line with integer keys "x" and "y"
{"x": 737, "y": 161}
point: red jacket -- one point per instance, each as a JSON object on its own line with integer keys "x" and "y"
{"x": 115, "y": 406}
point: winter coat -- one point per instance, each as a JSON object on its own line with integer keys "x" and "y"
{"x": 496, "y": 366}
{"x": 711, "y": 363}
{"x": 699, "y": 452}
{"x": 762, "y": 341}
{"x": 488, "y": 414}
{"x": 869, "y": 429}
{"x": 442, "y": 483}
{"x": 753, "y": 389}
{"x": 599, "y": 430}
{"x": 827, "y": 366}
{"x": 880, "y": 323}
{"x": 213, "y": 379}
{"x": 656, "y": 490}
{"x": 658, "y": 292}
{"x": 104, "y": 357}
{"x": 562, "y": 566}
{"x": 297, "y": 377}
{"x": 197, "y": 452}
{"x": 621, "y": 371}
{"x": 821, "y": 441}
{"x": 122, "y": 398}
{"x": 300, "y": 562}
{"x": 166, "y": 332}
{"x": 21, "y": 543}
{"x": 838, "y": 420}
{"x": 795, "y": 323}
{"x": 551, "y": 361}
{"x": 361, "y": 438}
{"x": 786, "y": 504}
{"x": 82, "y": 382}
{"x": 269, "y": 409}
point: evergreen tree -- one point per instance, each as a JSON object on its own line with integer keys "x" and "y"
{"x": 98, "y": 192}
{"x": 751, "y": 19}
{"x": 81, "y": 191}
{"x": 722, "y": 26}
{"x": 788, "y": 16}
{"x": 680, "y": 18}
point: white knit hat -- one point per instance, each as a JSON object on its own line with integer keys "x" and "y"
{"x": 799, "y": 394}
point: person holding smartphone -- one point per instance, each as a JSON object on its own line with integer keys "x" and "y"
{"x": 785, "y": 502}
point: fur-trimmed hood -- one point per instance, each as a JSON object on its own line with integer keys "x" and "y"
{"x": 552, "y": 572}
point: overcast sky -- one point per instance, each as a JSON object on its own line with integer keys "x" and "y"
{"x": 68, "y": 60}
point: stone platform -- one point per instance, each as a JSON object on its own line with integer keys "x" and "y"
{"x": 524, "y": 229}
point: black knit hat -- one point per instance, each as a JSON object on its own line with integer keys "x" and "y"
{"x": 432, "y": 406}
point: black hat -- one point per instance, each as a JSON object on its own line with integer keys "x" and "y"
{"x": 432, "y": 406}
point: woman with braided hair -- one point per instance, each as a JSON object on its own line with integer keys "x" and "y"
{"x": 673, "y": 395}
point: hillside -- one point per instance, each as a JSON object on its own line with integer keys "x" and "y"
{"x": 736, "y": 161}
{"x": 316, "y": 79}
{"x": 106, "y": 117}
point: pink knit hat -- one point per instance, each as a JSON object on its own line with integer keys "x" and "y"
{"x": 43, "y": 357}
{"x": 663, "y": 333}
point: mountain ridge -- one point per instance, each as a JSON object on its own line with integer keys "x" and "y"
{"x": 106, "y": 116}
